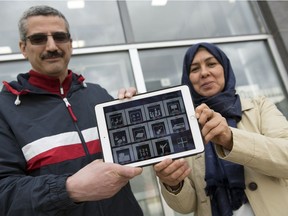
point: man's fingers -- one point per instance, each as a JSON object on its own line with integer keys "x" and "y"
{"x": 128, "y": 172}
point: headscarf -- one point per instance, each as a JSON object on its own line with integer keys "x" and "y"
{"x": 224, "y": 180}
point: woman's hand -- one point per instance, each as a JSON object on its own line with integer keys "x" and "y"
{"x": 214, "y": 127}
{"x": 172, "y": 172}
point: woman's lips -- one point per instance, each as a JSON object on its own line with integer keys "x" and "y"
{"x": 207, "y": 84}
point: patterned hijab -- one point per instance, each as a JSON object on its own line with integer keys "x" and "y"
{"x": 224, "y": 180}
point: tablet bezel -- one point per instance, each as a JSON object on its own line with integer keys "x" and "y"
{"x": 191, "y": 120}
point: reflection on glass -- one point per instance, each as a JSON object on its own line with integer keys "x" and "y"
{"x": 146, "y": 191}
{"x": 94, "y": 23}
{"x": 162, "y": 67}
{"x": 111, "y": 70}
{"x": 10, "y": 70}
{"x": 192, "y": 19}
{"x": 255, "y": 71}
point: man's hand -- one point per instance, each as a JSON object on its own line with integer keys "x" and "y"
{"x": 126, "y": 93}
{"x": 99, "y": 180}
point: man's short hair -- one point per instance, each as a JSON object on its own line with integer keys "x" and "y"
{"x": 40, "y": 10}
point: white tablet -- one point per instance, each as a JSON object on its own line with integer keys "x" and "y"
{"x": 149, "y": 127}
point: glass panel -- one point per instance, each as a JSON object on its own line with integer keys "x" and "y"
{"x": 162, "y": 67}
{"x": 10, "y": 70}
{"x": 111, "y": 70}
{"x": 91, "y": 22}
{"x": 252, "y": 63}
{"x": 256, "y": 72}
{"x": 179, "y": 214}
{"x": 147, "y": 193}
{"x": 192, "y": 19}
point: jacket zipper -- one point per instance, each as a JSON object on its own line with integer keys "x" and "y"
{"x": 68, "y": 105}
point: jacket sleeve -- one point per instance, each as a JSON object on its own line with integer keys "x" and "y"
{"x": 21, "y": 194}
{"x": 185, "y": 201}
{"x": 192, "y": 197}
{"x": 261, "y": 140}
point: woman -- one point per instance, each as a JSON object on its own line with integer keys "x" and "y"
{"x": 244, "y": 169}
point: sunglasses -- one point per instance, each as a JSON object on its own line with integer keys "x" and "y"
{"x": 41, "y": 39}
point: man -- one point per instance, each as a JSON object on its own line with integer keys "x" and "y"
{"x": 50, "y": 157}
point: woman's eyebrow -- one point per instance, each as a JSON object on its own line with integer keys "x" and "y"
{"x": 207, "y": 59}
{"x": 210, "y": 58}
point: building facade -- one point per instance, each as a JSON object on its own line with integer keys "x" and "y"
{"x": 120, "y": 43}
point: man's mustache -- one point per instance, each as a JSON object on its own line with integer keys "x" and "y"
{"x": 55, "y": 54}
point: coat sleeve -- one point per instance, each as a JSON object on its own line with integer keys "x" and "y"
{"x": 192, "y": 197}
{"x": 184, "y": 202}
{"x": 261, "y": 140}
{"x": 22, "y": 194}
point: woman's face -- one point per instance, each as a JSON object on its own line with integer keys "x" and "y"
{"x": 206, "y": 74}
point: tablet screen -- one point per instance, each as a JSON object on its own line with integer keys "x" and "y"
{"x": 149, "y": 128}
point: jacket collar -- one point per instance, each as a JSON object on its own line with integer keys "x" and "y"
{"x": 50, "y": 84}
{"x": 37, "y": 85}
{"x": 246, "y": 104}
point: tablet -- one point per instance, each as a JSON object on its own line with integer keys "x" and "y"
{"x": 149, "y": 127}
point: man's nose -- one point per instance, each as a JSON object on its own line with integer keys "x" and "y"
{"x": 51, "y": 44}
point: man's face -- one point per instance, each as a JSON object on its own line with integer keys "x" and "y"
{"x": 52, "y": 57}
